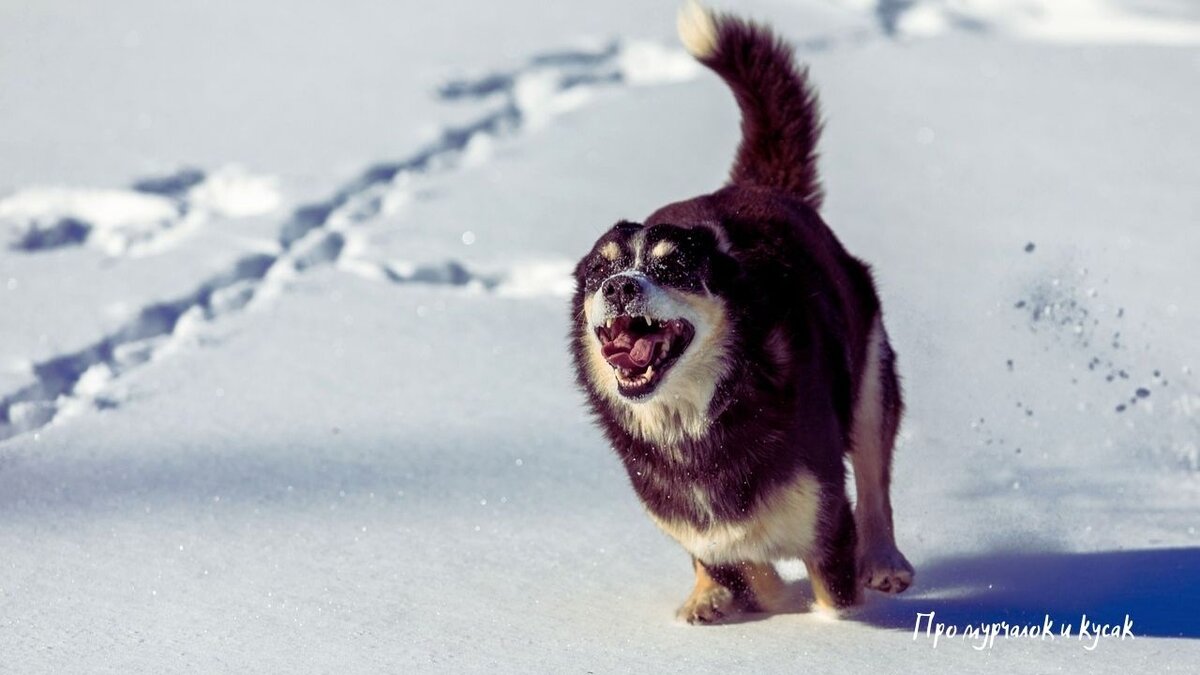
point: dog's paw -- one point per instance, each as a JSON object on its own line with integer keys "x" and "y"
{"x": 708, "y": 606}
{"x": 885, "y": 569}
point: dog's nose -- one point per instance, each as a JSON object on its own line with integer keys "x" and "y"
{"x": 621, "y": 290}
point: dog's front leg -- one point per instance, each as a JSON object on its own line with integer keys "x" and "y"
{"x": 722, "y": 591}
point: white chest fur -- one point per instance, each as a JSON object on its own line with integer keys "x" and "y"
{"x": 781, "y": 526}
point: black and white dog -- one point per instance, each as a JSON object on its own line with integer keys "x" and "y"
{"x": 734, "y": 353}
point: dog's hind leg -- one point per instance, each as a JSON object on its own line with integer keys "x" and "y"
{"x": 831, "y": 566}
{"x": 881, "y": 565}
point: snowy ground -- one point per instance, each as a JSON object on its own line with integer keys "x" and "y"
{"x": 283, "y": 381}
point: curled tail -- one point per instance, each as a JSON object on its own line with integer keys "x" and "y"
{"x": 780, "y": 118}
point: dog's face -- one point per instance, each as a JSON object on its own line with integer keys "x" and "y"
{"x": 654, "y": 322}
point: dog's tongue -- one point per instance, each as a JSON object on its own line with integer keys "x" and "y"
{"x": 629, "y": 353}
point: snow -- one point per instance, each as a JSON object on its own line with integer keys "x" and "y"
{"x": 156, "y": 213}
{"x": 113, "y": 220}
{"x": 293, "y": 392}
{"x": 235, "y": 193}
{"x": 1163, "y": 22}
{"x": 1067, "y": 21}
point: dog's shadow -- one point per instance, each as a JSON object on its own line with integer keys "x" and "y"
{"x": 1158, "y": 588}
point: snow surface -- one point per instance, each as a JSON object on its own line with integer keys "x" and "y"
{"x": 283, "y": 382}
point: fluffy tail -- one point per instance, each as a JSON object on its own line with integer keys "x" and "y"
{"x": 780, "y": 118}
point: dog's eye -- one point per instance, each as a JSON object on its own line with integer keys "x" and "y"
{"x": 597, "y": 267}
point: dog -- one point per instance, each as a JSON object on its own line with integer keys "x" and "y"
{"x": 734, "y": 354}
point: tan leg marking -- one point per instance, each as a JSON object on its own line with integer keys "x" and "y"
{"x": 881, "y": 565}
{"x": 770, "y": 593}
{"x": 709, "y": 601}
{"x": 822, "y": 592}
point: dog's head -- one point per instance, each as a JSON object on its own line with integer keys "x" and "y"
{"x": 652, "y": 322}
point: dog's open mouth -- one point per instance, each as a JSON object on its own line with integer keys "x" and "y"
{"x": 641, "y": 350}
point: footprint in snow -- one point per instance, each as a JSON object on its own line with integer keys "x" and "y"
{"x": 147, "y": 217}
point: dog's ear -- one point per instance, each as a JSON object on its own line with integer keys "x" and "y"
{"x": 722, "y": 268}
{"x": 624, "y": 228}
{"x": 723, "y": 271}
{"x": 707, "y": 251}
{"x": 703, "y": 238}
